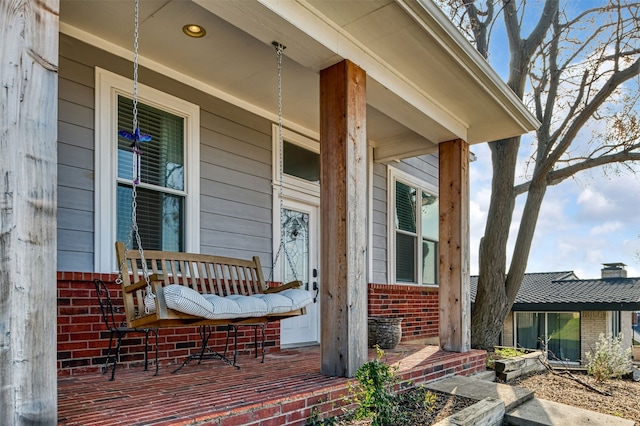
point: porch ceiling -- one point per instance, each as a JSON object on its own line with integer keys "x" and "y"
{"x": 425, "y": 83}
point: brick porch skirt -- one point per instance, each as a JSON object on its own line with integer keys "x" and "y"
{"x": 287, "y": 389}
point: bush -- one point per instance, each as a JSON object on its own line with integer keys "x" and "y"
{"x": 374, "y": 392}
{"x": 609, "y": 361}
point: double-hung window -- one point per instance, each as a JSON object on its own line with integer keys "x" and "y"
{"x": 413, "y": 248}
{"x": 167, "y": 194}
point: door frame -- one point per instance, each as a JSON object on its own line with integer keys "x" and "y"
{"x": 294, "y": 190}
{"x": 313, "y": 209}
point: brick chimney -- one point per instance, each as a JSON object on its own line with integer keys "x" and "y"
{"x": 614, "y": 270}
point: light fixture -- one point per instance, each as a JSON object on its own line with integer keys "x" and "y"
{"x": 194, "y": 30}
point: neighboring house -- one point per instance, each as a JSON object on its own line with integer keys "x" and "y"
{"x": 381, "y": 100}
{"x": 570, "y": 313}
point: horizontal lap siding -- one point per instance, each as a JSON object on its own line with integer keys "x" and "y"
{"x": 235, "y": 163}
{"x": 379, "y": 219}
{"x": 75, "y": 166}
{"x": 235, "y": 184}
{"x": 424, "y": 168}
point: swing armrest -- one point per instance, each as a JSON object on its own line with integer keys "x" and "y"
{"x": 143, "y": 283}
{"x": 292, "y": 284}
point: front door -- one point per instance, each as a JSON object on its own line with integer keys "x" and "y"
{"x": 299, "y": 261}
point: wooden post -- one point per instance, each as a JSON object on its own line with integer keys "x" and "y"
{"x": 454, "y": 297}
{"x": 343, "y": 183}
{"x": 28, "y": 167}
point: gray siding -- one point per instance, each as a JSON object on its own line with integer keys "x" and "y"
{"x": 424, "y": 168}
{"x": 235, "y": 163}
{"x": 379, "y": 219}
{"x": 75, "y": 166}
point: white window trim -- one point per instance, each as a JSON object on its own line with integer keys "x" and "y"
{"x": 293, "y": 187}
{"x": 394, "y": 174}
{"x": 108, "y": 87}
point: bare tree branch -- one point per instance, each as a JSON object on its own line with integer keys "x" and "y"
{"x": 556, "y": 176}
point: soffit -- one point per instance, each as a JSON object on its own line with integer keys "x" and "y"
{"x": 417, "y": 89}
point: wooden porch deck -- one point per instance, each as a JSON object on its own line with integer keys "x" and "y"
{"x": 285, "y": 390}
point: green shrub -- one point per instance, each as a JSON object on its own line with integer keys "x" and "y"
{"x": 609, "y": 361}
{"x": 373, "y": 393}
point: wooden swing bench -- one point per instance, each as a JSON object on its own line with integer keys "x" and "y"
{"x": 199, "y": 290}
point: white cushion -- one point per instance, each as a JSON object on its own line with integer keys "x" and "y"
{"x": 223, "y": 307}
{"x": 276, "y": 303}
{"x": 250, "y": 306}
{"x": 299, "y": 298}
{"x": 187, "y": 300}
{"x": 210, "y": 306}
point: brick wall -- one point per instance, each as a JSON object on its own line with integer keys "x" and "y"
{"x": 297, "y": 409}
{"x": 83, "y": 339}
{"x": 417, "y": 305}
{"x": 507, "y": 331}
{"x": 592, "y": 323}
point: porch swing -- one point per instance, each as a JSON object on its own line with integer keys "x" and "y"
{"x": 175, "y": 289}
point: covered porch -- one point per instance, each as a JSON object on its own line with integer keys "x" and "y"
{"x": 370, "y": 83}
{"x": 288, "y": 389}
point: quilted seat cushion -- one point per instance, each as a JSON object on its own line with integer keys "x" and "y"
{"x": 276, "y": 303}
{"x": 223, "y": 308}
{"x": 299, "y": 298}
{"x": 209, "y": 306}
{"x": 187, "y": 300}
{"x": 250, "y": 306}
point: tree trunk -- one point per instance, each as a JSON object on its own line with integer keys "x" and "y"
{"x": 530, "y": 215}
{"x": 28, "y": 163}
{"x": 491, "y": 305}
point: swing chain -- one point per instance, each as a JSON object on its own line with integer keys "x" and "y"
{"x": 149, "y": 302}
{"x": 282, "y": 247}
{"x": 135, "y": 72}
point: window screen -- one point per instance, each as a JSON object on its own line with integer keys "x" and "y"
{"x": 160, "y": 196}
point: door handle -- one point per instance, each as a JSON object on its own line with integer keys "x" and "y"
{"x": 315, "y": 285}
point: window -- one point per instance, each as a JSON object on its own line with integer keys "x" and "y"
{"x": 168, "y": 193}
{"x": 615, "y": 323}
{"x": 561, "y": 331}
{"x": 414, "y": 241}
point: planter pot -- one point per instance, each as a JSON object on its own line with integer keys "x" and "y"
{"x": 384, "y": 332}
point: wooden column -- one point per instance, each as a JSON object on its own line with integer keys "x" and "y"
{"x": 343, "y": 195}
{"x": 454, "y": 297}
{"x": 28, "y": 179}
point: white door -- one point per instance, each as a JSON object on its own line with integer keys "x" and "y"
{"x": 299, "y": 261}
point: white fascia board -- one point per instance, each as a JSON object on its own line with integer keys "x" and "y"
{"x": 433, "y": 21}
{"x": 306, "y": 18}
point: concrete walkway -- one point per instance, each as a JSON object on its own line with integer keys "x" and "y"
{"x": 522, "y": 409}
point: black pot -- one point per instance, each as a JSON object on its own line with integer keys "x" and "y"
{"x": 384, "y": 332}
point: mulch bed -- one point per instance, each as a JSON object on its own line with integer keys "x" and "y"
{"x": 414, "y": 409}
{"x": 624, "y": 400}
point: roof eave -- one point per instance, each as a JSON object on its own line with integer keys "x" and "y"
{"x": 576, "y": 306}
{"x": 440, "y": 27}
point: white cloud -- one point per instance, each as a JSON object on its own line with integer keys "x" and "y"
{"x": 605, "y": 228}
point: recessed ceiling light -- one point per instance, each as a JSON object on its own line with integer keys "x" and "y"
{"x": 194, "y": 30}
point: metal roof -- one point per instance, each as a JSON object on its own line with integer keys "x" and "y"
{"x": 562, "y": 291}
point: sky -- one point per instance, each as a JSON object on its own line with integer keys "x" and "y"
{"x": 586, "y": 221}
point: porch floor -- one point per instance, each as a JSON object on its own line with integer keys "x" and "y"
{"x": 286, "y": 390}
